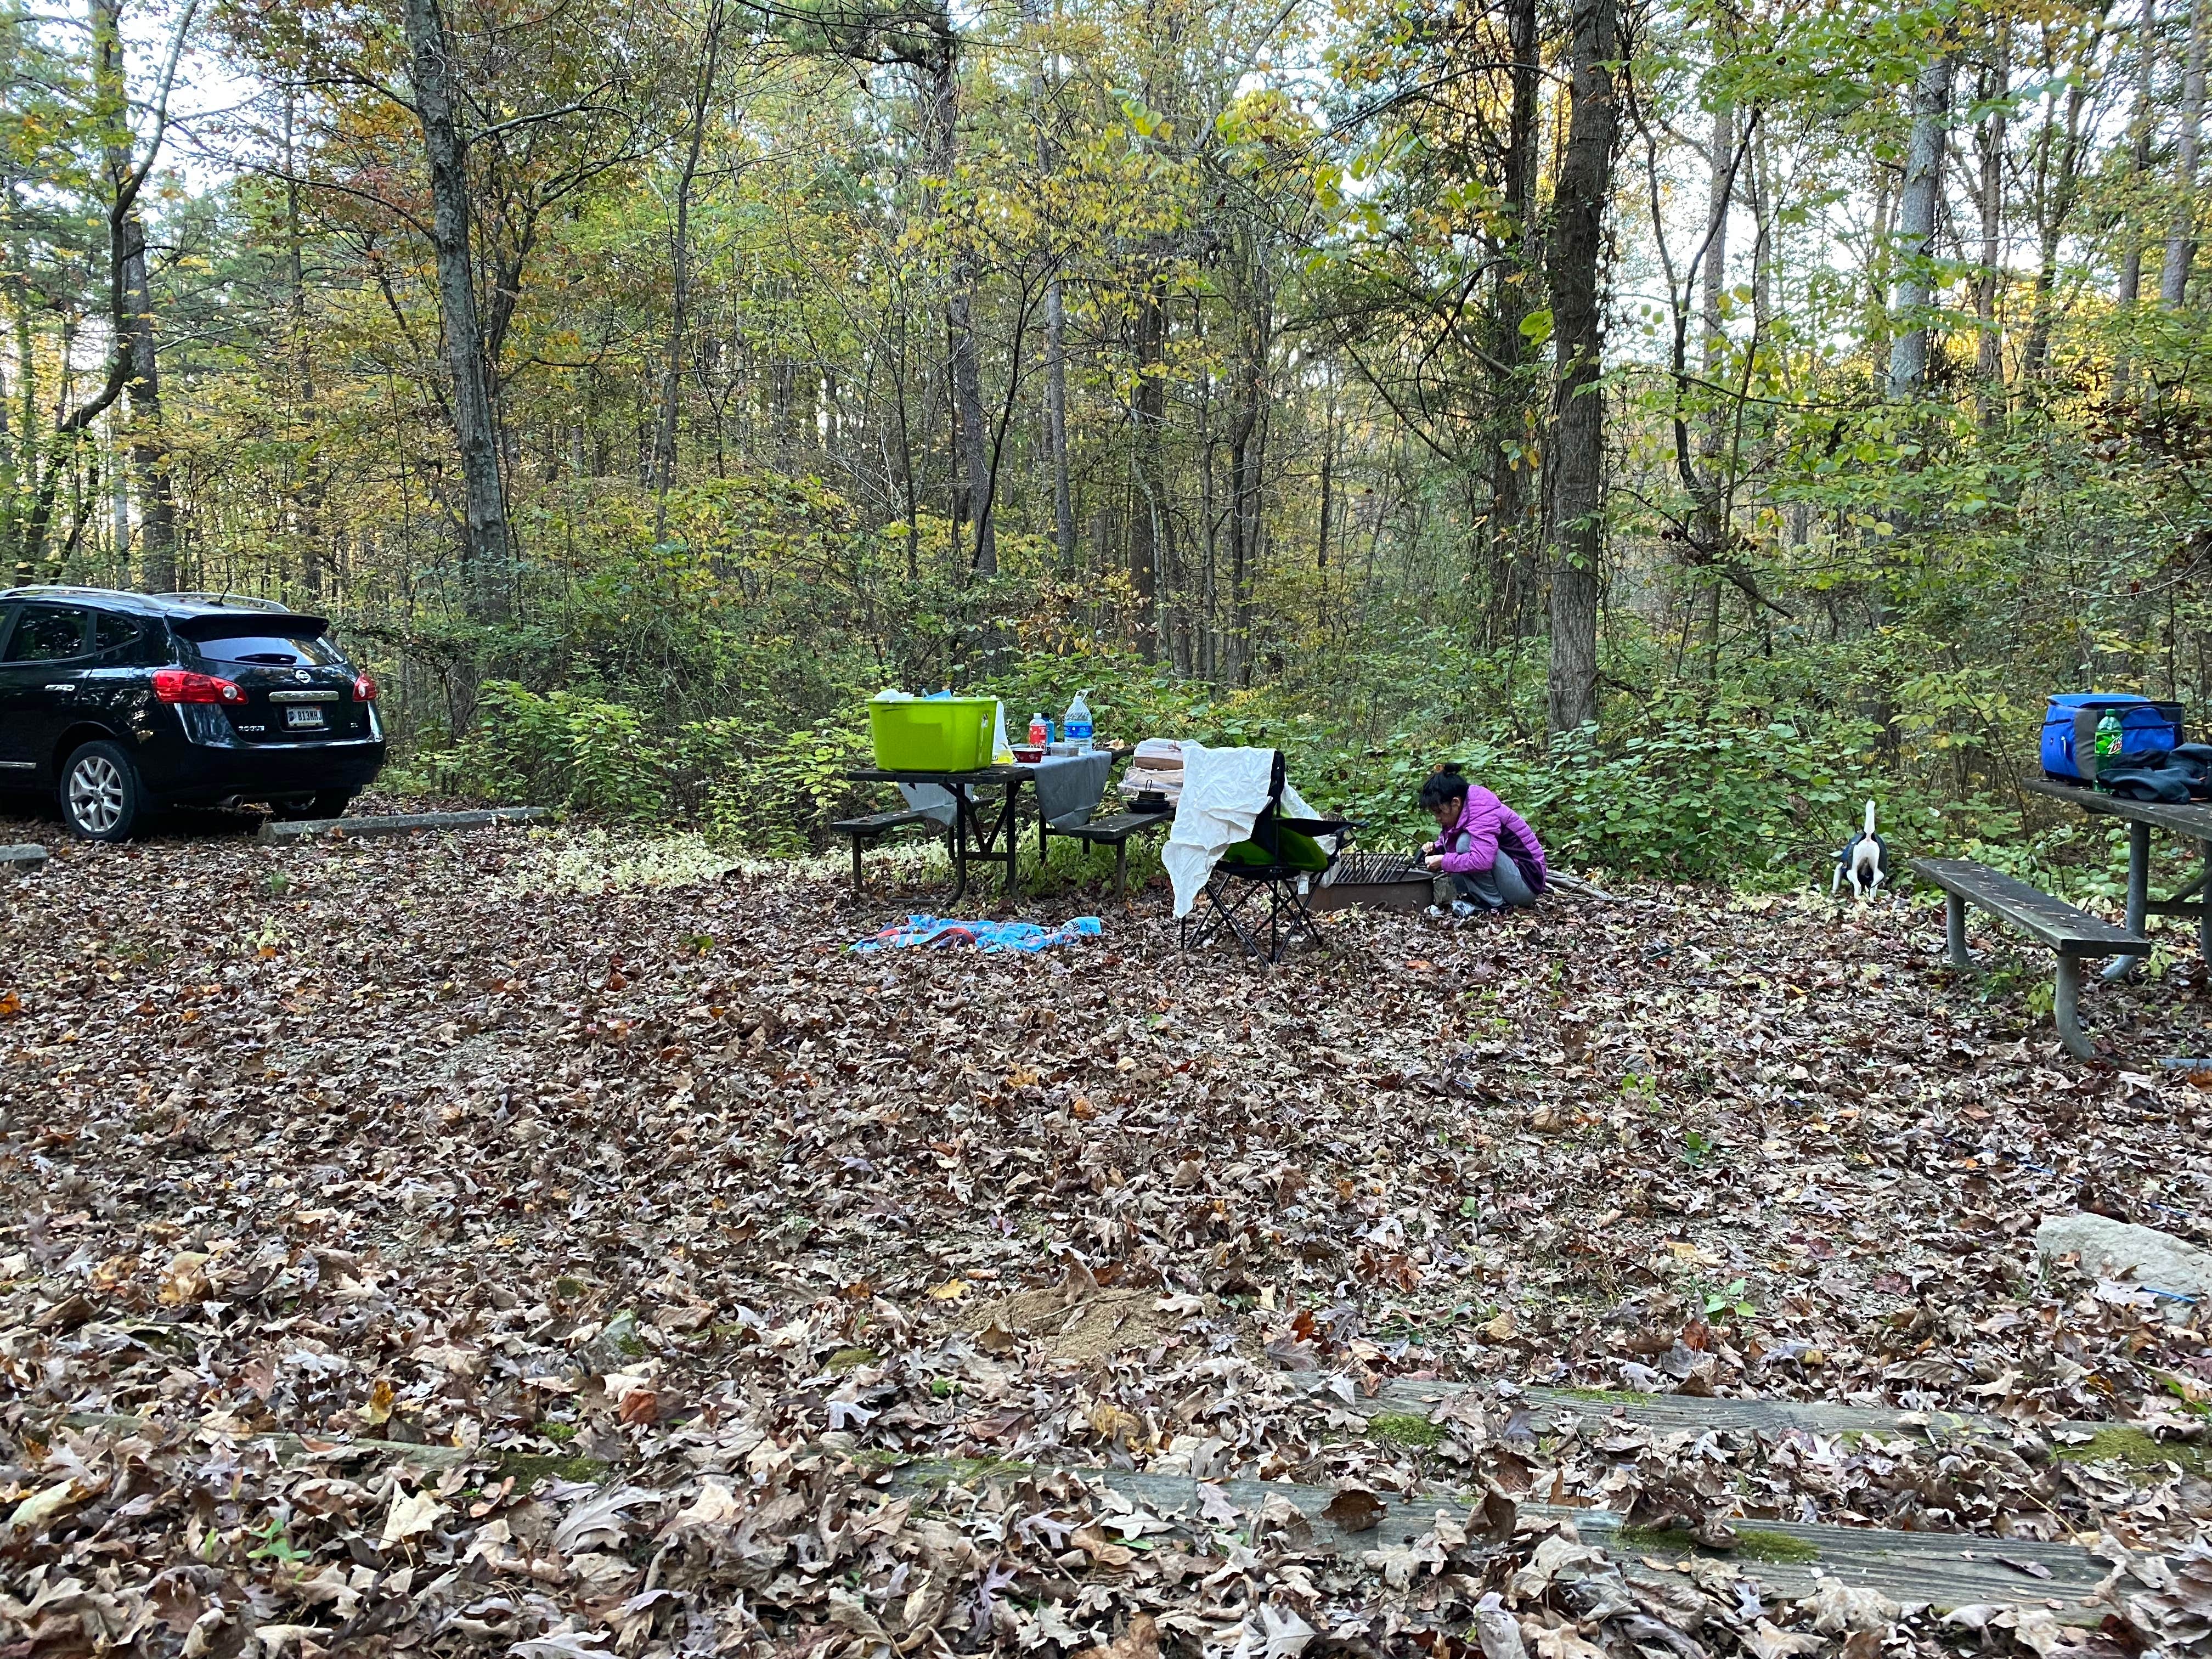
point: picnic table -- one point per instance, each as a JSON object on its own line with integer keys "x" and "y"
{"x": 978, "y": 831}
{"x": 2192, "y": 822}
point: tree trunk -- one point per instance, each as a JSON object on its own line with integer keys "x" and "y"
{"x": 20, "y": 461}
{"x": 1916, "y": 224}
{"x": 1878, "y": 265}
{"x": 308, "y": 491}
{"x": 2142, "y": 132}
{"x": 1709, "y": 527}
{"x": 1989, "y": 338}
{"x": 150, "y": 460}
{"x": 1720, "y": 188}
{"x": 485, "y": 545}
{"x": 1055, "y": 347}
{"x": 149, "y": 455}
{"x": 2057, "y": 208}
{"x": 1256, "y": 346}
{"x": 2181, "y": 237}
{"x": 1056, "y": 400}
{"x": 1511, "y": 393}
{"x": 970, "y": 437}
{"x": 1762, "y": 235}
{"x": 1576, "y": 254}
{"x": 679, "y": 272}
{"x": 1147, "y": 415}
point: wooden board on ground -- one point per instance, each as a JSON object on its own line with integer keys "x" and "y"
{"x": 24, "y": 854}
{"x": 340, "y": 1453}
{"x": 397, "y": 824}
{"x": 1695, "y": 1413}
{"x": 1782, "y": 1560}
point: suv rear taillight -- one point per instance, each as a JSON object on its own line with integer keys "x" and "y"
{"x": 181, "y": 686}
{"x": 364, "y": 688}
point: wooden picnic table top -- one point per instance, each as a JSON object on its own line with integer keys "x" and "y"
{"x": 914, "y": 774}
{"x": 1019, "y": 772}
{"x": 2194, "y": 821}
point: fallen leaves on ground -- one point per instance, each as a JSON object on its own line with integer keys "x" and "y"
{"x": 680, "y": 1223}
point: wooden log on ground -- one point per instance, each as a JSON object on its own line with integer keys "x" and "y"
{"x": 397, "y": 824}
{"x": 25, "y": 855}
{"x": 1577, "y": 884}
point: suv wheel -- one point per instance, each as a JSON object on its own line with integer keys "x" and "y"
{"x": 101, "y": 798}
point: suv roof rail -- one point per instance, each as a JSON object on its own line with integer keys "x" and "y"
{"x": 239, "y": 601}
{"x": 49, "y": 588}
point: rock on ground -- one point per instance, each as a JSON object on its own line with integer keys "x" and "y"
{"x": 2112, "y": 1249}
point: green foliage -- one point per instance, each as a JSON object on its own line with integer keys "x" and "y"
{"x": 2136, "y": 1451}
{"x": 1701, "y": 795}
{"x": 1406, "y": 1429}
{"x": 274, "y": 1543}
{"x": 562, "y": 748}
{"x": 1729, "y": 1299}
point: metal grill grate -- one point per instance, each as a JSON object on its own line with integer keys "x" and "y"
{"x": 1376, "y": 869}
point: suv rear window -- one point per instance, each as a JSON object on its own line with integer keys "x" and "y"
{"x": 266, "y": 650}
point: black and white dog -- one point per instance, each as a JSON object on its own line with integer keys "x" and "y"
{"x": 1865, "y": 862}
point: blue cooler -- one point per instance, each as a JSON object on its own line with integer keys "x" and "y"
{"x": 2070, "y": 730}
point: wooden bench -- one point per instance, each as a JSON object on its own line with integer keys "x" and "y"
{"x": 2072, "y": 933}
{"x": 873, "y": 827}
{"x": 1114, "y": 832}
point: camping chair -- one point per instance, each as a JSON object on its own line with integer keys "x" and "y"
{"x": 1276, "y": 867}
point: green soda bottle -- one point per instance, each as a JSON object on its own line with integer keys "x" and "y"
{"x": 2108, "y": 739}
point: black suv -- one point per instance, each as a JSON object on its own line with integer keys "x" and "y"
{"x": 121, "y": 702}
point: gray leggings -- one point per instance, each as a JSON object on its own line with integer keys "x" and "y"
{"x": 1498, "y": 888}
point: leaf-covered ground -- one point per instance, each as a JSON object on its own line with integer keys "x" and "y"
{"x": 617, "y": 1168}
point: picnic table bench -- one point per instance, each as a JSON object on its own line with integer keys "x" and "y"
{"x": 2072, "y": 933}
{"x": 1113, "y": 831}
{"x": 874, "y": 827}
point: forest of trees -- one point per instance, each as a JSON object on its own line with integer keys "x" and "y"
{"x": 1699, "y": 412}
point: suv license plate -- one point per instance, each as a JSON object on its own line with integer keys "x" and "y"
{"x": 298, "y": 716}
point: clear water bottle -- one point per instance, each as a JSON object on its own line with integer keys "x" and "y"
{"x": 1077, "y": 728}
{"x": 2108, "y": 739}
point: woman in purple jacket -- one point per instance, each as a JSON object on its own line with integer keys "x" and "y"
{"x": 1492, "y": 855}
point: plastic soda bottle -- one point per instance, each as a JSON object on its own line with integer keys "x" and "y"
{"x": 1040, "y": 730}
{"x": 2108, "y": 739}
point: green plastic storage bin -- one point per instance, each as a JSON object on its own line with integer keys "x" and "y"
{"x": 932, "y": 735}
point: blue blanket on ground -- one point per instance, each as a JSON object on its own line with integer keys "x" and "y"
{"x": 989, "y": 937}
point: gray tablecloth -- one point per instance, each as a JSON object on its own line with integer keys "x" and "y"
{"x": 1068, "y": 786}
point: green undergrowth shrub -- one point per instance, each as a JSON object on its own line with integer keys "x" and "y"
{"x": 1755, "y": 785}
